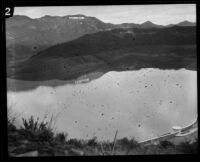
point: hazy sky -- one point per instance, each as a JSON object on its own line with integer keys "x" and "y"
{"x": 159, "y": 14}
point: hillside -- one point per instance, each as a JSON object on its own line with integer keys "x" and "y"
{"x": 26, "y": 37}
{"x": 121, "y": 38}
{"x": 32, "y": 141}
{"x": 117, "y": 49}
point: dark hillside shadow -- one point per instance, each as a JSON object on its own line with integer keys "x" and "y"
{"x": 84, "y": 73}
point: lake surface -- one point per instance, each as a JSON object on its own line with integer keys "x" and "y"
{"x": 140, "y": 104}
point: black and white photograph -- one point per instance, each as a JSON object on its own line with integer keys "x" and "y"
{"x": 102, "y": 80}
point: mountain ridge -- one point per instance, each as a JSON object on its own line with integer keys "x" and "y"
{"x": 184, "y": 21}
{"x": 125, "y": 38}
{"x": 116, "y": 49}
{"x": 26, "y": 37}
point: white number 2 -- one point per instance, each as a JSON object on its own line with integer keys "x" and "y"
{"x": 8, "y": 11}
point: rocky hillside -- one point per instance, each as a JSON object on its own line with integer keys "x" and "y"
{"x": 91, "y": 44}
{"x": 26, "y": 37}
{"x": 117, "y": 49}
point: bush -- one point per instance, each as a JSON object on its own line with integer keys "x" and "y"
{"x": 126, "y": 143}
{"x": 11, "y": 118}
{"x": 166, "y": 144}
{"x": 37, "y": 131}
{"x": 107, "y": 145}
{"x": 188, "y": 148}
{"x": 92, "y": 142}
{"x": 11, "y": 126}
{"x": 61, "y": 137}
{"x": 166, "y": 147}
{"x": 76, "y": 143}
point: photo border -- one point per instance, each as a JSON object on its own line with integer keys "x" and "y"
{"x": 29, "y": 3}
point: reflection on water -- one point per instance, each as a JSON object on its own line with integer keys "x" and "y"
{"x": 138, "y": 104}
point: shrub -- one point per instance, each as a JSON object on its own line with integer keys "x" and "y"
{"x": 166, "y": 144}
{"x": 126, "y": 143}
{"x": 188, "y": 148}
{"x": 166, "y": 147}
{"x": 36, "y": 130}
{"x": 76, "y": 143}
{"x": 61, "y": 137}
{"x": 11, "y": 126}
{"x": 11, "y": 118}
{"x": 92, "y": 142}
{"x": 107, "y": 145}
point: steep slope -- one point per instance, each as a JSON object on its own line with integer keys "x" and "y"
{"x": 118, "y": 49}
{"x": 120, "y": 39}
{"x": 25, "y": 36}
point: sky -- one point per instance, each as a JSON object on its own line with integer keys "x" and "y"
{"x": 116, "y": 14}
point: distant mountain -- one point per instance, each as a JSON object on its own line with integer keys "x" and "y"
{"x": 186, "y": 23}
{"x": 128, "y": 25}
{"x": 26, "y": 37}
{"x": 149, "y": 24}
{"x": 183, "y": 23}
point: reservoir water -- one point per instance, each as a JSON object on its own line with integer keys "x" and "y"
{"x": 140, "y": 104}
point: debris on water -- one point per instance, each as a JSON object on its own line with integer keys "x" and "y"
{"x": 102, "y": 114}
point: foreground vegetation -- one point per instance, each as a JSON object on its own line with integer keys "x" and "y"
{"x": 36, "y": 138}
